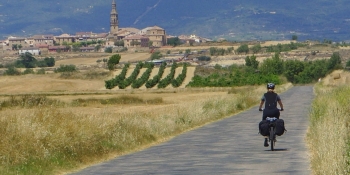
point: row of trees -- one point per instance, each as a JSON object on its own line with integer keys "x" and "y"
{"x": 110, "y": 84}
{"x": 122, "y": 82}
{"x": 180, "y": 79}
{"x": 60, "y": 69}
{"x": 167, "y": 80}
{"x": 214, "y": 51}
{"x": 244, "y": 48}
{"x": 152, "y": 82}
{"x": 14, "y": 71}
{"x": 270, "y": 70}
{"x": 27, "y": 60}
{"x": 305, "y": 72}
{"x": 145, "y": 76}
{"x": 127, "y": 82}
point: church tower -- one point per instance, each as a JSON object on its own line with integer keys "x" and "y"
{"x": 114, "y": 18}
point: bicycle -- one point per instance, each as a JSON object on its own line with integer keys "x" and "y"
{"x": 272, "y": 129}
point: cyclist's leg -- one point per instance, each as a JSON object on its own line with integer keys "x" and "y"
{"x": 277, "y": 113}
{"x": 265, "y": 114}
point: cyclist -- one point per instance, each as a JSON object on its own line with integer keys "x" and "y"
{"x": 270, "y": 98}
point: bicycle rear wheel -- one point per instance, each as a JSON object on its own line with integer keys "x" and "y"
{"x": 272, "y": 138}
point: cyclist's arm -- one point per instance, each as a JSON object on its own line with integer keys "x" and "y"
{"x": 261, "y": 104}
{"x": 280, "y": 103}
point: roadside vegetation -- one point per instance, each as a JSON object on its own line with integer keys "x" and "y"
{"x": 329, "y": 135}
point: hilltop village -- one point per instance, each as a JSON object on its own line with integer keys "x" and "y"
{"x": 117, "y": 39}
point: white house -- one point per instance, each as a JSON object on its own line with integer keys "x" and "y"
{"x": 32, "y": 50}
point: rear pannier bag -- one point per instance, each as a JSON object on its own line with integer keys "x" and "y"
{"x": 264, "y": 128}
{"x": 280, "y": 127}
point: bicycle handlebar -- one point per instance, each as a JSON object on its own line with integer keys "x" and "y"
{"x": 278, "y": 109}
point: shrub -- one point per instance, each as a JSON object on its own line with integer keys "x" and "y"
{"x": 204, "y": 58}
{"x": 28, "y": 71}
{"x": 66, "y": 68}
{"x": 109, "y": 50}
{"x": 50, "y": 62}
{"x": 12, "y": 71}
{"x": 156, "y": 55}
{"x": 41, "y": 71}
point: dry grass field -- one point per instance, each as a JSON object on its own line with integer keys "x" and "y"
{"x": 73, "y": 121}
{"x": 86, "y": 114}
{"x": 328, "y": 134}
{"x": 91, "y": 59}
{"x": 55, "y": 125}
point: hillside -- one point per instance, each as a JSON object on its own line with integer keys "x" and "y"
{"x": 232, "y": 19}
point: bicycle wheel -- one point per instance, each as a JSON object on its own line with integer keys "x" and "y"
{"x": 272, "y": 138}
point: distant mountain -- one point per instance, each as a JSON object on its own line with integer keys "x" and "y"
{"x": 231, "y": 19}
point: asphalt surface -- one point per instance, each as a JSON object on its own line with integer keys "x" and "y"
{"x": 229, "y": 146}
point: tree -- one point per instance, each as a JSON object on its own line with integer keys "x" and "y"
{"x": 272, "y": 65}
{"x": 348, "y": 63}
{"x": 251, "y": 62}
{"x": 334, "y": 62}
{"x": 156, "y": 55}
{"x": 28, "y": 60}
{"x": 112, "y": 61}
{"x": 76, "y": 48}
{"x": 119, "y": 43}
{"x": 14, "y": 47}
{"x": 243, "y": 48}
{"x": 174, "y": 41}
{"x": 294, "y": 37}
{"x": 254, "y": 62}
{"x": 247, "y": 61}
{"x": 256, "y": 48}
{"x": 50, "y": 62}
{"x": 102, "y": 42}
{"x": 292, "y": 68}
{"x": 135, "y": 43}
{"x": 150, "y": 43}
{"x": 108, "y": 50}
{"x": 104, "y": 61}
{"x": 97, "y": 48}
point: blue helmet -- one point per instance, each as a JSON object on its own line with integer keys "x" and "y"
{"x": 270, "y": 86}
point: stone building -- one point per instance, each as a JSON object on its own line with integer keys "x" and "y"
{"x": 157, "y": 36}
{"x": 65, "y": 38}
{"x": 18, "y": 42}
{"x": 136, "y": 41}
{"x": 44, "y": 39}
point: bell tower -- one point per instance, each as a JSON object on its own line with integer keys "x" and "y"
{"x": 114, "y": 18}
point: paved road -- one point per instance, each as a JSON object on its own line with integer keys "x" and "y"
{"x": 229, "y": 146}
